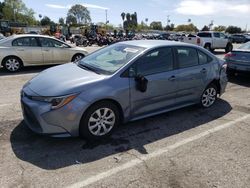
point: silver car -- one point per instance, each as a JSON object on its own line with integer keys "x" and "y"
{"x": 28, "y": 50}
{"x": 123, "y": 82}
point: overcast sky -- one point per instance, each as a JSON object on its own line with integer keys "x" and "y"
{"x": 201, "y": 12}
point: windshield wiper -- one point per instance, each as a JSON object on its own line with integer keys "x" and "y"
{"x": 88, "y": 68}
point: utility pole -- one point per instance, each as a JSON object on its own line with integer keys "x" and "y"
{"x": 106, "y": 14}
{"x": 168, "y": 22}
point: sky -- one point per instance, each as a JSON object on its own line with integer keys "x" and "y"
{"x": 201, "y": 12}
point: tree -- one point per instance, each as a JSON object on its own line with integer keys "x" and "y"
{"x": 188, "y": 28}
{"x": 169, "y": 27}
{"x": 220, "y": 28}
{"x": 131, "y": 21}
{"x": 233, "y": 29}
{"x": 205, "y": 28}
{"x": 156, "y": 25}
{"x": 16, "y": 10}
{"x": 71, "y": 20}
{"x": 61, "y": 21}
{"x": 45, "y": 21}
{"x": 123, "y": 16}
{"x": 81, "y": 14}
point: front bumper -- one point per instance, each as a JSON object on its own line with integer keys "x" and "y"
{"x": 42, "y": 120}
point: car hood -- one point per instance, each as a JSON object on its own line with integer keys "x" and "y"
{"x": 63, "y": 80}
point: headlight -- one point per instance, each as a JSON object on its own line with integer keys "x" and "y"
{"x": 56, "y": 102}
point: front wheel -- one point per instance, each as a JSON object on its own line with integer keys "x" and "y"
{"x": 12, "y": 64}
{"x": 99, "y": 121}
{"x": 77, "y": 57}
{"x": 209, "y": 96}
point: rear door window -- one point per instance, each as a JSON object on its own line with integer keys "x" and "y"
{"x": 187, "y": 57}
{"x": 25, "y": 41}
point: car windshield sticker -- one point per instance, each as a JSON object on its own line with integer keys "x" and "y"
{"x": 132, "y": 50}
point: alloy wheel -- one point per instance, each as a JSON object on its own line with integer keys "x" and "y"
{"x": 101, "y": 121}
{"x": 209, "y": 97}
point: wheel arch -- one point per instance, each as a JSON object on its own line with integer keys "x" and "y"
{"x": 4, "y": 59}
{"x": 76, "y": 54}
{"x": 216, "y": 82}
{"x": 116, "y": 103}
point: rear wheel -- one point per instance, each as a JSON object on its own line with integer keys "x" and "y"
{"x": 99, "y": 121}
{"x": 209, "y": 96}
{"x": 12, "y": 64}
{"x": 229, "y": 48}
{"x": 208, "y": 47}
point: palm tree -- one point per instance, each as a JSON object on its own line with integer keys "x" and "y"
{"x": 123, "y": 16}
{"x": 128, "y": 17}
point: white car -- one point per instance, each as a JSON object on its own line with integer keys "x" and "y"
{"x": 28, "y": 49}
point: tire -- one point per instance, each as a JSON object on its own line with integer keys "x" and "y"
{"x": 77, "y": 57}
{"x": 208, "y": 47}
{"x": 209, "y": 96}
{"x": 229, "y": 48}
{"x": 12, "y": 64}
{"x": 100, "y": 116}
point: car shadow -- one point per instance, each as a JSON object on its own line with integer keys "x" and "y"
{"x": 25, "y": 70}
{"x": 54, "y": 153}
{"x": 242, "y": 79}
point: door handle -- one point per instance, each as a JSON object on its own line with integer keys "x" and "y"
{"x": 203, "y": 70}
{"x": 172, "y": 78}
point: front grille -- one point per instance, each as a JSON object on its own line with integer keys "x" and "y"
{"x": 31, "y": 118}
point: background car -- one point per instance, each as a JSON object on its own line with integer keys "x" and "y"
{"x": 26, "y": 50}
{"x": 239, "y": 38}
{"x": 1, "y": 36}
{"x": 239, "y": 59}
{"x": 123, "y": 82}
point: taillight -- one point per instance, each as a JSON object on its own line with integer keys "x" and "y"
{"x": 198, "y": 41}
{"x": 230, "y": 54}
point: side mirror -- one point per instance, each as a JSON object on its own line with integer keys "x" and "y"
{"x": 141, "y": 83}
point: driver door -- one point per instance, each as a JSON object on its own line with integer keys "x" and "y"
{"x": 157, "y": 67}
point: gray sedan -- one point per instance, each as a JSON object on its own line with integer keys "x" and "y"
{"x": 29, "y": 50}
{"x": 123, "y": 82}
{"x": 239, "y": 59}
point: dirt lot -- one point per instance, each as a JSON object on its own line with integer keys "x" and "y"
{"x": 191, "y": 147}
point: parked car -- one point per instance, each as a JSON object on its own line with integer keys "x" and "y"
{"x": 240, "y": 38}
{"x": 238, "y": 60}
{"x": 215, "y": 40}
{"x": 123, "y": 82}
{"x": 27, "y": 50}
{"x": 192, "y": 39}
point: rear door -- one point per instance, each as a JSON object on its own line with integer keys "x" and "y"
{"x": 192, "y": 75}
{"x": 157, "y": 66}
{"x": 29, "y": 50}
{"x": 54, "y": 52}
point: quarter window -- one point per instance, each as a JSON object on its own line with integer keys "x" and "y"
{"x": 203, "y": 58}
{"x": 25, "y": 41}
{"x": 156, "y": 61}
{"x": 187, "y": 57}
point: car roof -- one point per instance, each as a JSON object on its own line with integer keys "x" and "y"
{"x": 31, "y": 35}
{"x": 155, "y": 43}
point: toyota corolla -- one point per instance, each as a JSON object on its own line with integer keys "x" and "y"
{"x": 123, "y": 82}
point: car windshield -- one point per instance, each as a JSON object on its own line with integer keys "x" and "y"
{"x": 245, "y": 46}
{"x": 108, "y": 60}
